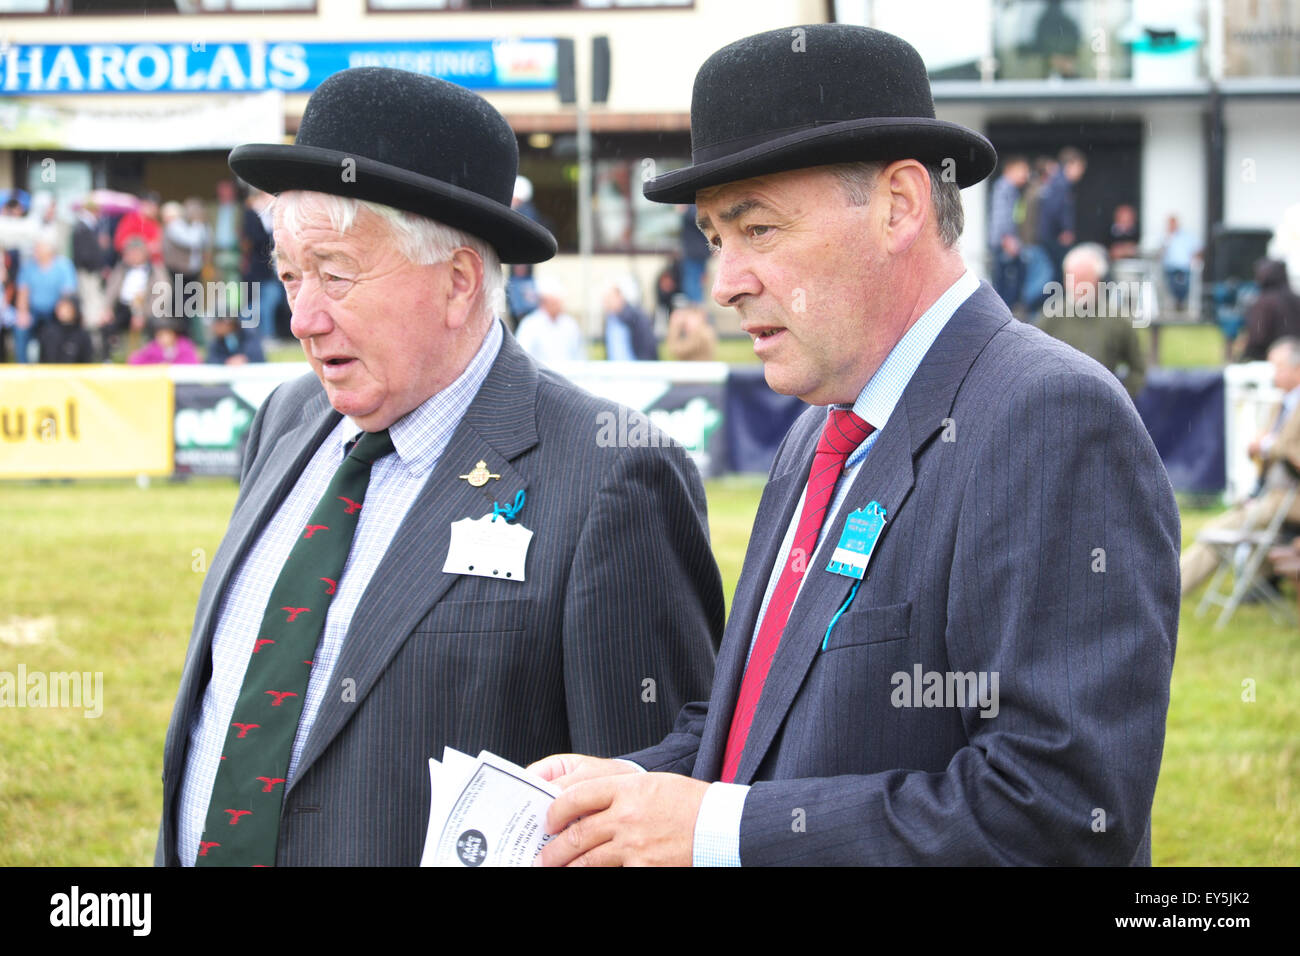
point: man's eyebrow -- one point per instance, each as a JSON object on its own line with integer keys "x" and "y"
{"x": 319, "y": 256}
{"x": 731, "y": 213}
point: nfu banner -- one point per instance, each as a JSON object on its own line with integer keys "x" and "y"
{"x": 684, "y": 400}
{"x": 215, "y": 406}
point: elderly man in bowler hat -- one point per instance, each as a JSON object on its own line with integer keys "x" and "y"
{"x": 952, "y": 639}
{"x": 429, "y": 547}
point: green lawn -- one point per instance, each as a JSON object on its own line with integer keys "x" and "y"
{"x": 104, "y": 576}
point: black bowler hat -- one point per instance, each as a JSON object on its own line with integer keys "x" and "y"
{"x": 416, "y": 143}
{"x": 810, "y": 96}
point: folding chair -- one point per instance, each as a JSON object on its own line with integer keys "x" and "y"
{"x": 1241, "y": 554}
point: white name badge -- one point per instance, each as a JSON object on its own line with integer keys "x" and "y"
{"x": 490, "y": 549}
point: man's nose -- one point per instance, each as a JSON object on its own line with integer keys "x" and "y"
{"x": 310, "y": 309}
{"x": 734, "y": 279}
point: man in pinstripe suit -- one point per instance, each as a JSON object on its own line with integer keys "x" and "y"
{"x": 984, "y": 677}
{"x": 614, "y": 623}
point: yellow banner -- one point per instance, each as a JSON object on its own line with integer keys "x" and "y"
{"x": 84, "y": 421}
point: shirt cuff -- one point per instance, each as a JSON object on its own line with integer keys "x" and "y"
{"x": 632, "y": 763}
{"x": 717, "y": 828}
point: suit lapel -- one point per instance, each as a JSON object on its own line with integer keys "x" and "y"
{"x": 887, "y": 476}
{"x": 499, "y": 425}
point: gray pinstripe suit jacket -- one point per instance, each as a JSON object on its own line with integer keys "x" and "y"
{"x": 989, "y": 562}
{"x": 621, "y": 587}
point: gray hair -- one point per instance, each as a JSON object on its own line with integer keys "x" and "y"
{"x": 1291, "y": 345}
{"x": 421, "y": 240}
{"x": 1088, "y": 250}
{"x": 858, "y": 181}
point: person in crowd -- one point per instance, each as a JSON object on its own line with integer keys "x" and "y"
{"x": 227, "y": 220}
{"x": 229, "y": 343}
{"x": 1124, "y": 233}
{"x": 141, "y": 223}
{"x": 629, "y": 334}
{"x": 1177, "y": 253}
{"x": 1273, "y": 314}
{"x": 1004, "y": 238}
{"x": 92, "y": 245}
{"x": 690, "y": 336}
{"x": 11, "y": 211}
{"x": 694, "y": 256}
{"x": 939, "y": 522}
{"x": 549, "y": 334}
{"x": 65, "y": 341}
{"x": 668, "y": 292}
{"x": 1089, "y": 318}
{"x": 255, "y": 264}
{"x": 43, "y": 279}
{"x": 169, "y": 346}
{"x": 1056, "y": 213}
{"x": 137, "y": 291}
{"x": 1277, "y": 450}
{"x": 1037, "y": 261}
{"x": 189, "y": 239}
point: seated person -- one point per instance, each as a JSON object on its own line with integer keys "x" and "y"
{"x": 230, "y": 344}
{"x": 64, "y": 341}
{"x": 1278, "y": 453}
{"x": 169, "y": 346}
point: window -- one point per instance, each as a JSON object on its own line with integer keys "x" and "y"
{"x": 96, "y": 7}
{"x": 516, "y": 5}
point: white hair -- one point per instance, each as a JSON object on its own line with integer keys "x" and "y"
{"x": 421, "y": 240}
{"x": 1088, "y": 250}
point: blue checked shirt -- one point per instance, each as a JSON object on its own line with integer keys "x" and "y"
{"x": 419, "y": 439}
{"x": 717, "y": 828}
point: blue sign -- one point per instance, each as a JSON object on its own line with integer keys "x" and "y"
{"x": 201, "y": 67}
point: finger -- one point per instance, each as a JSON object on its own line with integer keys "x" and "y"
{"x": 592, "y": 768}
{"x": 581, "y": 800}
{"x": 556, "y": 765}
{"x": 579, "y": 838}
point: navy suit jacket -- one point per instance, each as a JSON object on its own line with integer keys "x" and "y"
{"x": 1031, "y": 533}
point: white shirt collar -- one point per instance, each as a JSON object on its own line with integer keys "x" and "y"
{"x": 880, "y": 395}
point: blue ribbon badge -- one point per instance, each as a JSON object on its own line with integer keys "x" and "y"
{"x": 861, "y": 532}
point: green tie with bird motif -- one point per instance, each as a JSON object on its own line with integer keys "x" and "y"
{"x": 243, "y": 820}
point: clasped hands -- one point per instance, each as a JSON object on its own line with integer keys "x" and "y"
{"x": 609, "y": 814}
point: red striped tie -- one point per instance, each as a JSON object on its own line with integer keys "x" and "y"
{"x": 843, "y": 433}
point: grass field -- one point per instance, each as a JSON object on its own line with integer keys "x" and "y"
{"x": 104, "y": 577}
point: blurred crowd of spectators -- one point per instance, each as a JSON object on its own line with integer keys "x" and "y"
{"x": 130, "y": 278}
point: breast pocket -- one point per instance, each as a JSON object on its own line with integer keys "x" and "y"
{"x": 871, "y": 625}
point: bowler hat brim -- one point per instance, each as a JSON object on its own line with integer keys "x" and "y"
{"x": 935, "y": 142}
{"x": 276, "y": 168}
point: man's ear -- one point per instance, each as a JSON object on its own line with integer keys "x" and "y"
{"x": 465, "y": 278}
{"x": 906, "y": 185}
